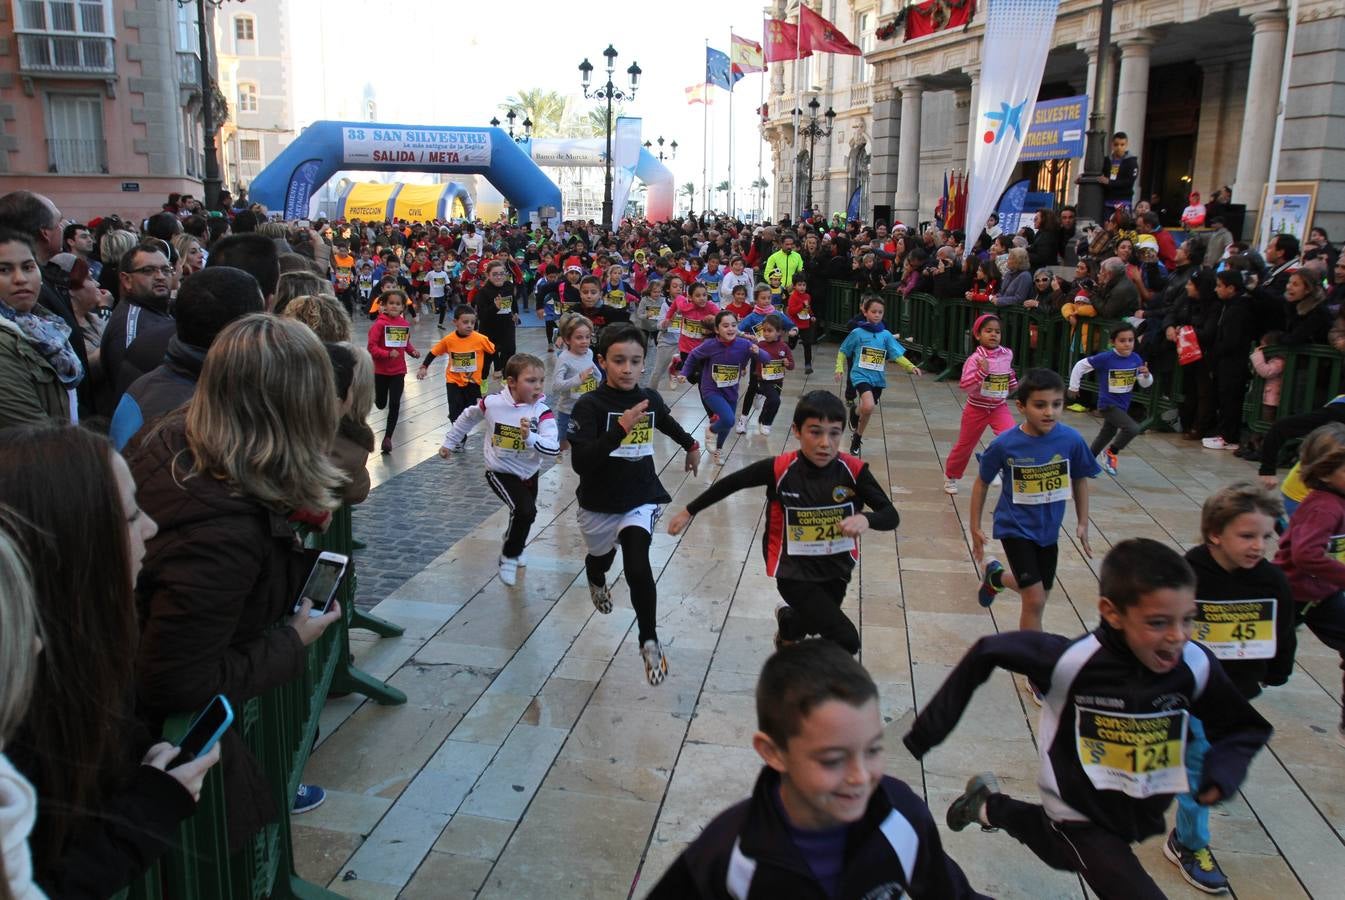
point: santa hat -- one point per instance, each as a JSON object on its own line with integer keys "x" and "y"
{"x": 573, "y": 264}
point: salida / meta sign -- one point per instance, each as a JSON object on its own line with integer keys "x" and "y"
{"x": 431, "y": 148}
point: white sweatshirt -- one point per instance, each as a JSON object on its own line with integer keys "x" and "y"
{"x": 570, "y": 381}
{"x": 506, "y": 449}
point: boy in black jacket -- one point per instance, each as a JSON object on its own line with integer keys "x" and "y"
{"x": 823, "y": 820}
{"x": 1113, "y": 728}
{"x": 611, "y": 438}
{"x": 814, "y": 518}
{"x": 1228, "y": 363}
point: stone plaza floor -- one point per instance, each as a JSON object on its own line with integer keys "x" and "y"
{"x": 533, "y": 760}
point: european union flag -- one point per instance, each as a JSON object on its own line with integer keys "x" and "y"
{"x": 718, "y": 69}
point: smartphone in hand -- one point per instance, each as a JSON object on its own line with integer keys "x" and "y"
{"x": 204, "y": 731}
{"x": 323, "y": 580}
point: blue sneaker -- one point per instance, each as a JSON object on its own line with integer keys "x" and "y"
{"x": 308, "y": 798}
{"x": 1198, "y": 867}
{"x": 1109, "y": 461}
{"x": 986, "y": 595}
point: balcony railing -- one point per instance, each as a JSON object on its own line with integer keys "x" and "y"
{"x": 69, "y": 156}
{"x": 859, "y": 95}
{"x": 189, "y": 69}
{"x": 66, "y": 54}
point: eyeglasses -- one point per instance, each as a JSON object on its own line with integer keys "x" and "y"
{"x": 165, "y": 271}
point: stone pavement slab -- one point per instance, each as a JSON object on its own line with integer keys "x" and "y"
{"x": 532, "y": 759}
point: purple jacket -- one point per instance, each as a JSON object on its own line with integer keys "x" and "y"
{"x": 721, "y": 366}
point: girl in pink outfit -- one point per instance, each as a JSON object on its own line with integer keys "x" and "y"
{"x": 389, "y": 345}
{"x": 988, "y": 379}
{"x": 695, "y": 316}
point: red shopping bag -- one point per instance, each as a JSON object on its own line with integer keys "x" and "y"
{"x": 1188, "y": 346}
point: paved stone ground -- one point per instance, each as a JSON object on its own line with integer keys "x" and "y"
{"x": 532, "y": 759}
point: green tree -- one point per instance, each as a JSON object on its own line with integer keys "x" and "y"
{"x": 760, "y": 184}
{"x": 547, "y": 109}
{"x": 594, "y": 124}
{"x": 689, "y": 188}
{"x": 723, "y": 188}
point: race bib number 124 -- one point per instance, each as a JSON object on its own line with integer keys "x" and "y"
{"x": 1139, "y": 755}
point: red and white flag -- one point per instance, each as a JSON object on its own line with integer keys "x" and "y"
{"x": 782, "y": 42}
{"x": 819, "y": 35}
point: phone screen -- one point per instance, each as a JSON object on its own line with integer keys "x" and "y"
{"x": 200, "y": 737}
{"x": 321, "y": 585}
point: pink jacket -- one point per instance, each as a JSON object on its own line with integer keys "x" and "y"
{"x": 1272, "y": 372}
{"x": 1000, "y": 359}
{"x": 703, "y": 319}
{"x": 387, "y": 360}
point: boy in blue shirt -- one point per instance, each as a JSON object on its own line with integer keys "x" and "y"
{"x": 867, "y": 349}
{"x": 1043, "y": 462}
{"x": 1118, "y": 371}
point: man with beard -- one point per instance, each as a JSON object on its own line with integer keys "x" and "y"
{"x": 141, "y": 326}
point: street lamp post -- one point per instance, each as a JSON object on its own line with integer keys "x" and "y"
{"x": 608, "y": 92}
{"x": 1095, "y": 151}
{"x": 812, "y": 131}
{"x": 661, "y": 157}
{"x": 527, "y": 127}
{"x": 211, "y": 183}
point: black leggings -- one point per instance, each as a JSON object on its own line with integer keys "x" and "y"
{"x": 520, "y": 495}
{"x": 816, "y": 609}
{"x": 634, "y": 543}
{"x": 551, "y": 333}
{"x": 505, "y": 344}
{"x": 1292, "y": 428}
{"x": 768, "y": 389}
{"x": 1105, "y": 860}
{"x": 388, "y": 395}
{"x": 805, "y": 335}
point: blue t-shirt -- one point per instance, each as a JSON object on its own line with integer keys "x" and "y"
{"x": 1038, "y": 474}
{"x": 753, "y": 319}
{"x": 867, "y": 352}
{"x": 823, "y": 851}
{"x": 712, "y": 282}
{"x": 1116, "y": 378}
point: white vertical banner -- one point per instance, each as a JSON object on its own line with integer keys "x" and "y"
{"x": 625, "y": 156}
{"x": 1013, "y": 57}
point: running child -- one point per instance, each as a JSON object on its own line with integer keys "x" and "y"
{"x": 616, "y": 293}
{"x": 775, "y": 281}
{"x": 815, "y": 498}
{"x": 576, "y": 371}
{"x": 691, "y": 313}
{"x": 343, "y": 275}
{"x": 988, "y": 379}
{"x": 669, "y": 333}
{"x": 612, "y": 451}
{"x": 720, "y": 361}
{"x": 1245, "y": 617}
{"x": 767, "y": 378}
{"x": 1312, "y": 551}
{"x": 800, "y": 309}
{"x": 365, "y": 287}
{"x": 821, "y": 817}
{"x": 761, "y": 308}
{"x": 468, "y": 353}
{"x": 1118, "y": 371}
{"x": 592, "y": 307}
{"x": 737, "y": 274}
{"x": 738, "y": 303}
{"x": 494, "y": 302}
{"x": 521, "y": 430}
{"x": 647, "y": 314}
{"x": 1113, "y": 737}
{"x": 1043, "y": 462}
{"x": 389, "y": 344}
{"x": 437, "y": 282}
{"x": 549, "y": 306}
{"x": 867, "y": 349}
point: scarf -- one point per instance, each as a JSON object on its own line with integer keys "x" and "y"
{"x": 50, "y": 337}
{"x": 875, "y": 327}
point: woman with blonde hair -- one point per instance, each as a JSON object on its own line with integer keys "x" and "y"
{"x": 323, "y": 313}
{"x": 303, "y": 283}
{"x": 190, "y": 255}
{"x": 110, "y": 250}
{"x": 227, "y": 478}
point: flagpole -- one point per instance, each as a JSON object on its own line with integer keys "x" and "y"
{"x": 761, "y": 101}
{"x": 705, "y": 139}
{"x": 730, "y": 193}
{"x": 794, "y": 116}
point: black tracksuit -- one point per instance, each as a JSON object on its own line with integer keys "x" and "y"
{"x": 1080, "y": 827}
{"x": 747, "y": 853}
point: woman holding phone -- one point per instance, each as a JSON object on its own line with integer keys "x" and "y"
{"x": 102, "y": 819}
{"x": 226, "y": 479}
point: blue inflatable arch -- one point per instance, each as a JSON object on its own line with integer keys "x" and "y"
{"x": 326, "y": 147}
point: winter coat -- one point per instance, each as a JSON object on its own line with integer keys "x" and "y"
{"x": 30, "y": 392}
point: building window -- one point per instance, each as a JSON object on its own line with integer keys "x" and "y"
{"x": 64, "y": 35}
{"x": 864, "y": 38}
{"x": 245, "y": 28}
{"x": 75, "y": 134}
{"x": 188, "y": 35}
{"x": 247, "y": 98}
{"x": 250, "y": 149}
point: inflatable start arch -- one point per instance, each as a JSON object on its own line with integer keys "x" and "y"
{"x": 326, "y": 147}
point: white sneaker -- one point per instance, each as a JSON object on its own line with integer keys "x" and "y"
{"x": 709, "y": 436}
{"x": 950, "y": 486}
{"x": 508, "y": 570}
{"x": 655, "y": 663}
{"x": 522, "y": 560}
{"x": 764, "y": 429}
{"x": 740, "y": 426}
{"x": 758, "y": 404}
{"x": 1213, "y": 443}
{"x": 716, "y": 456}
{"x": 601, "y": 595}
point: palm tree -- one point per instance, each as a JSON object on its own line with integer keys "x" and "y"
{"x": 723, "y": 187}
{"x": 547, "y": 109}
{"x": 759, "y": 186}
{"x": 595, "y": 123}
{"x": 689, "y": 188}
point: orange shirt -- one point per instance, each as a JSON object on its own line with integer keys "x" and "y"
{"x": 463, "y": 352}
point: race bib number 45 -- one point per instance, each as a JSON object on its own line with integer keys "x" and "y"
{"x": 816, "y": 530}
{"x": 639, "y": 441}
{"x": 872, "y": 358}
{"x": 1036, "y": 485}
{"x": 1237, "y": 629}
{"x": 1138, "y": 755}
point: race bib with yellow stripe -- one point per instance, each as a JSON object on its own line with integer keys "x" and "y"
{"x": 508, "y": 438}
{"x": 1037, "y": 485}
{"x": 639, "y": 441}
{"x": 675, "y": 326}
{"x": 395, "y": 336}
{"x": 816, "y": 530}
{"x": 462, "y": 362}
{"x": 995, "y": 386}
{"x": 724, "y": 375}
{"x": 588, "y": 383}
{"x": 1121, "y": 381}
{"x": 693, "y": 328}
{"x": 1236, "y": 629}
{"x": 1139, "y": 755}
{"x": 1335, "y": 547}
{"x": 872, "y": 358}
{"x": 505, "y": 304}
{"x": 773, "y": 370}
{"x": 616, "y": 298}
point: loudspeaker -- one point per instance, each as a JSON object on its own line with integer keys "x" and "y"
{"x": 882, "y": 214}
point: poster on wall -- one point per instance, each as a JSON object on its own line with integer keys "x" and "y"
{"x": 1290, "y": 208}
{"x": 1057, "y": 130}
{"x": 431, "y": 148}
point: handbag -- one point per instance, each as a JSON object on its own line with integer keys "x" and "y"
{"x": 1188, "y": 346}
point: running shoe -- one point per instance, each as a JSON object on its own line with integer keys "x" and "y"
{"x": 1199, "y": 867}
{"x": 966, "y": 809}
{"x": 1217, "y": 443}
{"x": 1032, "y": 691}
{"x": 854, "y": 414}
{"x": 950, "y": 486}
{"x": 1109, "y": 461}
{"x": 522, "y": 560}
{"x": 709, "y": 438}
{"x": 988, "y": 592}
{"x": 509, "y": 570}
{"x": 764, "y": 429}
{"x": 308, "y": 798}
{"x": 807, "y": 370}
{"x": 856, "y": 446}
{"x": 740, "y": 426}
{"x": 655, "y": 663}
{"x": 783, "y": 612}
{"x": 717, "y": 456}
{"x": 601, "y": 595}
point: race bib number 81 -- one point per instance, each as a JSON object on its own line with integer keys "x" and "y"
{"x": 508, "y": 438}
{"x": 1138, "y": 755}
{"x": 816, "y": 530}
{"x": 1237, "y": 629}
{"x": 1037, "y": 485}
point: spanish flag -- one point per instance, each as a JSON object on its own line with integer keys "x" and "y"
{"x": 746, "y": 55}
{"x": 697, "y": 93}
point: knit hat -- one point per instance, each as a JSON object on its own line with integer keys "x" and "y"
{"x": 573, "y": 264}
{"x": 1146, "y": 242}
{"x": 981, "y": 320}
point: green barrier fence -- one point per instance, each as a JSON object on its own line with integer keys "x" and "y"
{"x": 279, "y": 727}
